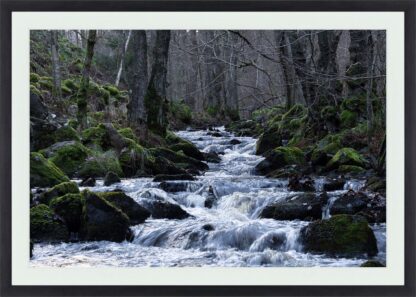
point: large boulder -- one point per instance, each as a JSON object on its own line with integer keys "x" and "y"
{"x": 267, "y": 141}
{"x": 104, "y": 221}
{"x": 69, "y": 208}
{"x": 280, "y": 157}
{"x": 44, "y": 173}
{"x": 165, "y": 177}
{"x": 42, "y": 133}
{"x": 159, "y": 165}
{"x": 69, "y": 156}
{"x": 133, "y": 159}
{"x": 346, "y": 156}
{"x": 46, "y": 226}
{"x": 180, "y": 159}
{"x": 111, "y": 178}
{"x": 105, "y": 137}
{"x": 341, "y": 235}
{"x": 349, "y": 203}
{"x": 136, "y": 213}
{"x": 57, "y": 191}
{"x": 98, "y": 164}
{"x": 188, "y": 149}
{"x": 302, "y": 206}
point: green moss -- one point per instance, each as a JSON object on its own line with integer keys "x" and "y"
{"x": 70, "y": 157}
{"x": 188, "y": 149}
{"x": 105, "y": 95}
{"x": 128, "y": 133}
{"x": 69, "y": 207}
{"x": 35, "y": 90}
{"x": 354, "y": 104}
{"x": 73, "y": 123}
{"x": 132, "y": 159}
{"x": 44, "y": 173}
{"x": 94, "y": 135}
{"x": 66, "y": 133}
{"x": 341, "y": 235}
{"x": 213, "y": 111}
{"x": 58, "y": 190}
{"x": 329, "y": 113}
{"x": 372, "y": 263}
{"x": 65, "y": 90}
{"x": 44, "y": 226}
{"x": 46, "y": 84}
{"x": 34, "y": 77}
{"x": 113, "y": 90}
{"x": 99, "y": 164}
{"x": 95, "y": 118}
{"x": 71, "y": 84}
{"x": 348, "y": 119}
{"x": 290, "y": 155}
{"x": 181, "y": 111}
{"x": 346, "y": 156}
{"x": 350, "y": 169}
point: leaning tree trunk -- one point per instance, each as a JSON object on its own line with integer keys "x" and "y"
{"x": 136, "y": 107}
{"x": 123, "y": 54}
{"x": 85, "y": 80}
{"x": 56, "y": 68}
{"x": 155, "y": 100}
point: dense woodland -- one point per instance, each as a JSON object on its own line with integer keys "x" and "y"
{"x": 108, "y": 102}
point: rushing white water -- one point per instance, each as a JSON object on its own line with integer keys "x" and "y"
{"x": 228, "y": 234}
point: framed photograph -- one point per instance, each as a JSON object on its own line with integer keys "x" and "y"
{"x": 207, "y": 148}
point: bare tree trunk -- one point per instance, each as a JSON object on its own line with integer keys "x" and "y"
{"x": 370, "y": 71}
{"x": 123, "y": 54}
{"x": 136, "y": 106}
{"x": 280, "y": 72}
{"x": 155, "y": 100}
{"x": 85, "y": 80}
{"x": 231, "y": 95}
{"x": 56, "y": 68}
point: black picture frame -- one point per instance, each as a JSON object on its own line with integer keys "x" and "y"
{"x": 407, "y": 6}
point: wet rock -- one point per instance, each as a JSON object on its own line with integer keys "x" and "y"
{"x": 372, "y": 263}
{"x": 162, "y": 165}
{"x": 42, "y": 133}
{"x": 165, "y": 177}
{"x": 235, "y": 141}
{"x": 188, "y": 149}
{"x": 88, "y": 182}
{"x": 180, "y": 160}
{"x": 376, "y": 184}
{"x": 165, "y": 210}
{"x": 69, "y": 208}
{"x": 211, "y": 198}
{"x": 57, "y": 191}
{"x": 208, "y": 227}
{"x": 295, "y": 207}
{"x": 350, "y": 203}
{"x": 279, "y": 158}
{"x": 333, "y": 185}
{"x": 215, "y": 134}
{"x": 136, "y": 213}
{"x": 298, "y": 184}
{"x": 103, "y": 221}
{"x": 173, "y": 187}
{"x": 46, "y": 226}
{"x": 212, "y": 157}
{"x": 269, "y": 140}
{"x": 111, "y": 178}
{"x": 341, "y": 235}
{"x": 375, "y": 212}
{"x": 44, "y": 173}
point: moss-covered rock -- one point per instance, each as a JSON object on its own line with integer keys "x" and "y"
{"x": 372, "y": 263}
{"x": 68, "y": 156}
{"x": 105, "y": 137}
{"x": 348, "y": 119}
{"x": 180, "y": 160}
{"x": 69, "y": 208}
{"x": 189, "y": 149}
{"x": 128, "y": 133}
{"x": 160, "y": 165}
{"x": 71, "y": 84}
{"x": 346, "y": 156}
{"x": 44, "y": 173}
{"x": 350, "y": 169}
{"x": 136, "y": 213}
{"x": 57, "y": 191}
{"x": 133, "y": 159}
{"x": 113, "y": 90}
{"x": 344, "y": 235}
{"x": 296, "y": 207}
{"x": 98, "y": 164}
{"x": 280, "y": 157}
{"x": 45, "y": 226}
{"x": 103, "y": 221}
{"x": 34, "y": 77}
{"x": 111, "y": 178}
{"x": 270, "y": 139}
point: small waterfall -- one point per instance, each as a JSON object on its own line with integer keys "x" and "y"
{"x": 224, "y": 228}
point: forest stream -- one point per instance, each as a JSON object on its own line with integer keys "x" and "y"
{"x": 224, "y": 227}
